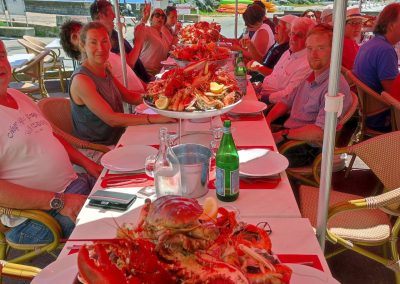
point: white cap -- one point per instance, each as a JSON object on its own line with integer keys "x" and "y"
{"x": 288, "y": 18}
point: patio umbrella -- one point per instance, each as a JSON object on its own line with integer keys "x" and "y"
{"x": 120, "y": 41}
{"x": 339, "y": 8}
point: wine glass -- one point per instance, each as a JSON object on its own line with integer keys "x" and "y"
{"x": 217, "y": 136}
{"x": 149, "y": 170}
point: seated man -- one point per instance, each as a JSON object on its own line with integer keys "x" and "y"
{"x": 306, "y": 103}
{"x": 292, "y": 67}
{"x": 376, "y": 63}
{"x": 69, "y": 39}
{"x": 35, "y": 172}
{"x": 260, "y": 70}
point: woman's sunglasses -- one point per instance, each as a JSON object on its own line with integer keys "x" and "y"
{"x": 158, "y": 15}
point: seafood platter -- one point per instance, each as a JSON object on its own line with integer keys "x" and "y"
{"x": 199, "y": 90}
{"x": 184, "y": 55}
{"x": 200, "y": 32}
{"x": 175, "y": 241}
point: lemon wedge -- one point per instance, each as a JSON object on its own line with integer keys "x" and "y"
{"x": 162, "y": 102}
{"x": 216, "y": 88}
{"x": 210, "y": 209}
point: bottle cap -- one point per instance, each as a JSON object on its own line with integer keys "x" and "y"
{"x": 227, "y": 123}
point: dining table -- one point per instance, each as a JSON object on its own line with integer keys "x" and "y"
{"x": 293, "y": 238}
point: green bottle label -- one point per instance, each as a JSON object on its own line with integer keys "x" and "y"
{"x": 226, "y": 182}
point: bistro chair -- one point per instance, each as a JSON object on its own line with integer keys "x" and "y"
{"x": 394, "y": 110}
{"x": 18, "y": 270}
{"x": 371, "y": 103}
{"x": 32, "y": 250}
{"x": 356, "y": 222}
{"x": 34, "y": 70}
{"x": 58, "y": 112}
{"x": 51, "y": 62}
{"x": 310, "y": 174}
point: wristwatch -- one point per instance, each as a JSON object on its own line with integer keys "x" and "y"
{"x": 57, "y": 202}
{"x": 284, "y": 133}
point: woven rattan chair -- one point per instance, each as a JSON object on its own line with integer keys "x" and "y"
{"x": 394, "y": 109}
{"x": 58, "y": 112}
{"x": 32, "y": 250}
{"x": 306, "y": 175}
{"x": 51, "y": 62}
{"x": 355, "y": 222}
{"x": 34, "y": 70}
{"x": 18, "y": 270}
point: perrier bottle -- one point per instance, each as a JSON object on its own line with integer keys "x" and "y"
{"x": 240, "y": 73}
{"x": 227, "y": 167}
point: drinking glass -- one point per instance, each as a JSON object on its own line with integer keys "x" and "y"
{"x": 149, "y": 170}
{"x": 217, "y": 136}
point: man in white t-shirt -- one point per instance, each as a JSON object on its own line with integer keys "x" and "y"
{"x": 292, "y": 67}
{"x": 35, "y": 167}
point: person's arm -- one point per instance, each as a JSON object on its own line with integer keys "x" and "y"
{"x": 277, "y": 111}
{"x": 257, "y": 49}
{"x": 309, "y": 132}
{"x": 131, "y": 97}
{"x": 139, "y": 38}
{"x": 297, "y": 77}
{"x": 83, "y": 92}
{"x": 21, "y": 197}
{"x": 387, "y": 85}
{"x": 79, "y": 159}
{"x": 253, "y": 65}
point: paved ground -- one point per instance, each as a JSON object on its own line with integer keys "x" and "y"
{"x": 347, "y": 267}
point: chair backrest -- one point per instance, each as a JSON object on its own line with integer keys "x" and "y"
{"x": 34, "y": 67}
{"x": 350, "y": 112}
{"x": 30, "y": 47}
{"x": 58, "y": 112}
{"x": 370, "y": 101}
{"x": 380, "y": 153}
{"x": 34, "y": 40}
{"x": 345, "y": 73}
{"x": 395, "y": 110}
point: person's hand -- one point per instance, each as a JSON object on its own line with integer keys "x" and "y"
{"x": 93, "y": 169}
{"x": 236, "y": 47}
{"x": 72, "y": 205}
{"x": 146, "y": 12}
{"x": 161, "y": 119}
{"x": 253, "y": 65}
{"x": 245, "y": 43}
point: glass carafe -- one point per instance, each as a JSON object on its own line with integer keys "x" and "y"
{"x": 167, "y": 172}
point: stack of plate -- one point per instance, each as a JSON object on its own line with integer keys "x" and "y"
{"x": 129, "y": 158}
{"x": 259, "y": 163}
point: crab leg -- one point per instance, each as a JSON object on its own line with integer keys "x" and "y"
{"x": 257, "y": 257}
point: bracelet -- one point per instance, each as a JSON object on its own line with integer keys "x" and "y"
{"x": 148, "y": 119}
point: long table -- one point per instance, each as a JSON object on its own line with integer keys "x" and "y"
{"x": 291, "y": 233}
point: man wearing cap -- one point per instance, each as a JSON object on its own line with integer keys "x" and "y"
{"x": 376, "y": 63}
{"x": 275, "y": 52}
{"x": 306, "y": 103}
{"x": 327, "y": 15}
{"x": 352, "y": 33}
{"x": 292, "y": 67}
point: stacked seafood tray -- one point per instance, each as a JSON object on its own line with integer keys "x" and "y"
{"x": 201, "y": 83}
{"x": 174, "y": 242}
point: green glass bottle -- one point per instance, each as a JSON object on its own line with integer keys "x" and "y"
{"x": 240, "y": 73}
{"x": 227, "y": 167}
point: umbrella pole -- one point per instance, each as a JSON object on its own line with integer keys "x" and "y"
{"x": 236, "y": 18}
{"x": 330, "y": 122}
{"x": 121, "y": 45}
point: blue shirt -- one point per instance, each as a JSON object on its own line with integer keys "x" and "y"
{"x": 307, "y": 101}
{"x": 376, "y": 61}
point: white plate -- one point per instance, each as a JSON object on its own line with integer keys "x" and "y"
{"x": 260, "y": 162}
{"x": 128, "y": 158}
{"x": 193, "y": 114}
{"x": 249, "y": 107}
{"x": 144, "y": 109}
{"x": 303, "y": 274}
{"x": 62, "y": 270}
